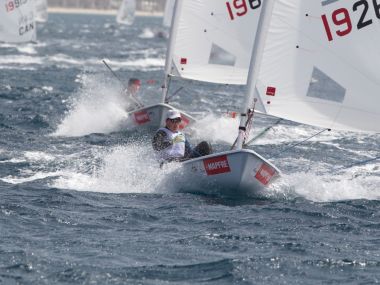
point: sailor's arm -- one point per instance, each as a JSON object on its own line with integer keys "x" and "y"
{"x": 159, "y": 141}
{"x": 188, "y": 148}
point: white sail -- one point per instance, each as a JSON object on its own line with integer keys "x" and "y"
{"x": 155, "y": 115}
{"x": 321, "y": 64}
{"x": 168, "y": 13}
{"x": 41, "y": 7}
{"x": 126, "y": 13}
{"x": 214, "y": 39}
{"x": 17, "y": 23}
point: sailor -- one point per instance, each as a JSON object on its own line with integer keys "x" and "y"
{"x": 131, "y": 91}
{"x": 170, "y": 143}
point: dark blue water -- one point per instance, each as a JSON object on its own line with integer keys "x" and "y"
{"x": 82, "y": 201}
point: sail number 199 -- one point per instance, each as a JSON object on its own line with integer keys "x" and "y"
{"x": 341, "y": 19}
{"x": 12, "y": 4}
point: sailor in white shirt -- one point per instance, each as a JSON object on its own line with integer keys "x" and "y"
{"x": 170, "y": 143}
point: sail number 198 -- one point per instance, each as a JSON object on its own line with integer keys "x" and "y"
{"x": 238, "y": 8}
{"x": 342, "y": 22}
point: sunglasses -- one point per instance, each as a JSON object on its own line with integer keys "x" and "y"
{"x": 176, "y": 120}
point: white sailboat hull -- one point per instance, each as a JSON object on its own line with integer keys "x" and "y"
{"x": 154, "y": 117}
{"x": 233, "y": 173}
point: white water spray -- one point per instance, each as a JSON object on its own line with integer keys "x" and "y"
{"x": 124, "y": 169}
{"x": 215, "y": 129}
{"x": 98, "y": 107}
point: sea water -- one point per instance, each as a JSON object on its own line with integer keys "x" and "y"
{"x": 82, "y": 201}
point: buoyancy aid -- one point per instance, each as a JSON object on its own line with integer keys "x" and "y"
{"x": 177, "y": 147}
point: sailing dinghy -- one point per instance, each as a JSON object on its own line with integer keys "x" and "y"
{"x": 17, "y": 21}
{"x": 126, "y": 12}
{"x": 166, "y": 20}
{"x": 313, "y": 62}
{"x": 41, "y": 7}
{"x": 214, "y": 44}
{"x": 153, "y": 116}
{"x": 200, "y": 48}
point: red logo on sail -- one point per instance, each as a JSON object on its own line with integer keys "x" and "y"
{"x": 265, "y": 173}
{"x": 184, "y": 122}
{"x": 271, "y": 91}
{"x": 216, "y": 165}
{"x": 141, "y": 117}
{"x": 183, "y": 60}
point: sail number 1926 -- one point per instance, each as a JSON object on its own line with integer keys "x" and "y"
{"x": 238, "y": 8}
{"x": 340, "y": 19}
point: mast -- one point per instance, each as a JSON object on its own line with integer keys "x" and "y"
{"x": 169, "y": 51}
{"x": 254, "y": 67}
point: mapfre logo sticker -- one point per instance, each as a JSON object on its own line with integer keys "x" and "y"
{"x": 216, "y": 165}
{"x": 265, "y": 173}
{"x": 141, "y": 117}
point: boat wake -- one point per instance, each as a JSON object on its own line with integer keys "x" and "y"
{"x": 131, "y": 168}
{"x": 359, "y": 183}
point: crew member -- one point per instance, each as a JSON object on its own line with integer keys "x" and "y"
{"x": 170, "y": 144}
{"x": 131, "y": 91}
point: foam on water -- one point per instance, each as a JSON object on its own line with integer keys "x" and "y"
{"x": 147, "y": 33}
{"x": 24, "y": 68}
{"x": 20, "y": 59}
{"x": 38, "y": 156}
{"x": 30, "y": 178}
{"x": 47, "y": 88}
{"x": 31, "y": 156}
{"x": 98, "y": 107}
{"x": 132, "y": 169}
{"x": 27, "y": 48}
{"x": 121, "y": 169}
{"x": 13, "y": 160}
{"x": 63, "y": 58}
{"x": 6, "y": 87}
{"x": 328, "y": 188}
